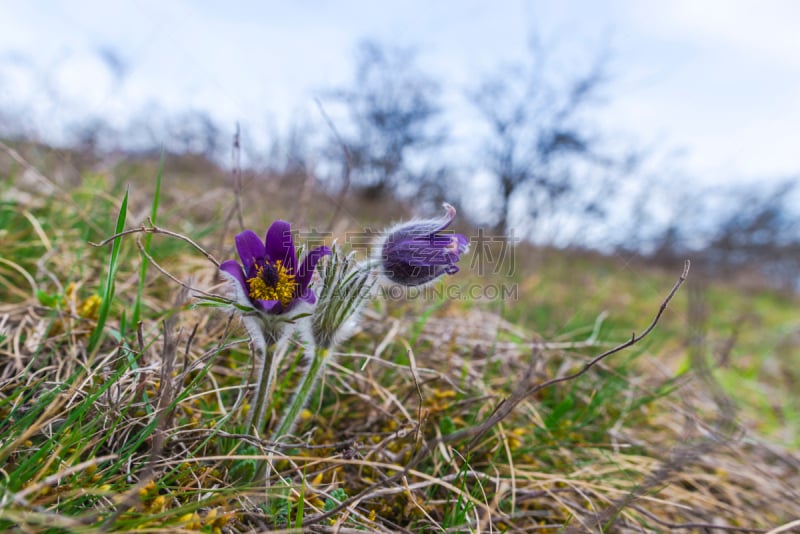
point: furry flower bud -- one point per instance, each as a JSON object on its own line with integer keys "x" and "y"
{"x": 418, "y": 252}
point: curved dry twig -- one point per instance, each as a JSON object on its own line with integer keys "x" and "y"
{"x": 153, "y": 229}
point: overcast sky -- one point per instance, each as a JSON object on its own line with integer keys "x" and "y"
{"x": 720, "y": 79}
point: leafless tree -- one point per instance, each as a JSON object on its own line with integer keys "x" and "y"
{"x": 392, "y": 107}
{"x": 761, "y": 229}
{"x": 746, "y": 229}
{"x": 193, "y": 132}
{"x": 94, "y": 135}
{"x": 539, "y": 144}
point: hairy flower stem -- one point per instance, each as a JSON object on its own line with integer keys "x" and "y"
{"x": 265, "y": 371}
{"x": 303, "y": 393}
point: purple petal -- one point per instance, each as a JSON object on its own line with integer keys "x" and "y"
{"x": 306, "y": 270}
{"x": 463, "y": 243}
{"x": 233, "y": 268}
{"x": 307, "y": 296}
{"x": 437, "y": 225}
{"x": 269, "y": 306}
{"x": 449, "y": 216}
{"x": 420, "y": 253}
{"x": 279, "y": 245}
{"x": 422, "y": 229}
{"x": 412, "y": 275}
{"x": 251, "y": 250}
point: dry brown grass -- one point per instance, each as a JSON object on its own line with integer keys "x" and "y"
{"x": 653, "y": 453}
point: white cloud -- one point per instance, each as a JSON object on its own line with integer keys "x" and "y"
{"x": 718, "y": 77}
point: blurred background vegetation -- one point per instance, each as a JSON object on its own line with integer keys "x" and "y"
{"x": 546, "y": 170}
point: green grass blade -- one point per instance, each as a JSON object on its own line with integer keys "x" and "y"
{"x": 108, "y": 291}
{"x": 137, "y": 305}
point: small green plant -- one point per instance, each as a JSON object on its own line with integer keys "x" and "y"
{"x": 337, "y": 496}
{"x": 107, "y": 296}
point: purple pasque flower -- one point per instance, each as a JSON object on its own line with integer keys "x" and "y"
{"x": 416, "y": 252}
{"x": 270, "y": 276}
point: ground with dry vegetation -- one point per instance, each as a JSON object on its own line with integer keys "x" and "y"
{"x": 439, "y": 414}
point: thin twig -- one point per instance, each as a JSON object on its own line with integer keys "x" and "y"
{"x": 505, "y": 406}
{"x": 236, "y": 157}
{"x": 412, "y": 363}
{"x": 348, "y": 162}
{"x": 166, "y": 273}
{"x": 153, "y": 229}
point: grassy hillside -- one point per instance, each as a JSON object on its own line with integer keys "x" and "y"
{"x": 118, "y": 394}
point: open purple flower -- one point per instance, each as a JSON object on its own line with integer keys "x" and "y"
{"x": 270, "y": 276}
{"x": 416, "y": 252}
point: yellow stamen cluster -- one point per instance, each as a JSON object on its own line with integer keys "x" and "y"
{"x": 283, "y": 290}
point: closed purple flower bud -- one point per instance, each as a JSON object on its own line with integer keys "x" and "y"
{"x": 417, "y": 252}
